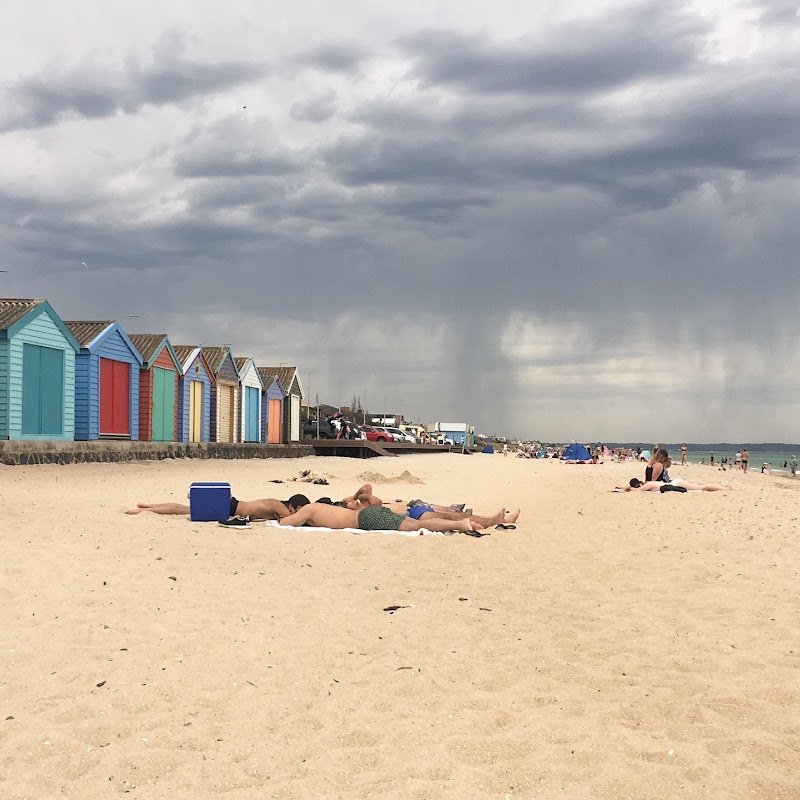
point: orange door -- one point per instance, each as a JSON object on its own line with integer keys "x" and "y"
{"x": 274, "y": 422}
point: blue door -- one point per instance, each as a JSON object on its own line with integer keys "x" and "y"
{"x": 251, "y": 414}
{"x": 42, "y": 390}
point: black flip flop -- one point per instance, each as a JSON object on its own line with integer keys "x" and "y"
{"x": 476, "y": 534}
{"x": 505, "y": 526}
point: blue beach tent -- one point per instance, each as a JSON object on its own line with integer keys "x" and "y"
{"x": 576, "y": 452}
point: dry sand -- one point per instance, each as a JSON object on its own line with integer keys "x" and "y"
{"x": 613, "y": 646}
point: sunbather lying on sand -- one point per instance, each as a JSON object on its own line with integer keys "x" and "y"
{"x": 418, "y": 510}
{"x": 255, "y": 509}
{"x": 636, "y": 485}
{"x": 371, "y": 518}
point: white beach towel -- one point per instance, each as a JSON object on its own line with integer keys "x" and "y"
{"x": 305, "y": 529}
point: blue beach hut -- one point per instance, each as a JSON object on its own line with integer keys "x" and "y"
{"x": 194, "y": 394}
{"x": 37, "y": 372}
{"x": 106, "y": 382}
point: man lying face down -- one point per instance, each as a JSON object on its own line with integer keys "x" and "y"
{"x": 267, "y": 508}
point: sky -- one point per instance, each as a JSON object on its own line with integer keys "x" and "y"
{"x": 555, "y": 220}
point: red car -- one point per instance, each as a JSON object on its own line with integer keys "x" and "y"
{"x": 375, "y": 436}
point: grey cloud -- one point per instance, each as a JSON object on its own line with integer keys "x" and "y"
{"x": 315, "y": 109}
{"x": 231, "y": 192}
{"x": 396, "y": 159}
{"x": 778, "y": 13}
{"x": 334, "y": 56}
{"x": 234, "y": 164}
{"x": 93, "y": 92}
{"x": 649, "y": 40}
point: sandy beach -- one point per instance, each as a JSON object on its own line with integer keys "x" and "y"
{"x": 613, "y": 646}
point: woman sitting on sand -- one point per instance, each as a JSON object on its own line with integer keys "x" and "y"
{"x": 656, "y": 470}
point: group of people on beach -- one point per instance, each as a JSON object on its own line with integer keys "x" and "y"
{"x": 362, "y": 510}
{"x": 657, "y": 478}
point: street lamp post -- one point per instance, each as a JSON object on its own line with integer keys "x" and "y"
{"x": 340, "y": 396}
{"x": 364, "y": 410}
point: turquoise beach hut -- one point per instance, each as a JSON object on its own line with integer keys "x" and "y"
{"x": 37, "y": 372}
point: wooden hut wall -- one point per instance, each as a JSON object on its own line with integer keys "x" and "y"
{"x": 291, "y": 412}
{"x": 275, "y": 394}
{"x": 250, "y": 385}
{"x": 57, "y": 386}
{"x": 225, "y": 401}
{"x": 198, "y": 372}
{"x": 88, "y": 390}
{"x": 164, "y": 361}
{"x": 4, "y": 381}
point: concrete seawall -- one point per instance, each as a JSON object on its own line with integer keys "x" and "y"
{"x": 21, "y": 453}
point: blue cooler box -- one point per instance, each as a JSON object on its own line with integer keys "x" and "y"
{"x": 209, "y": 502}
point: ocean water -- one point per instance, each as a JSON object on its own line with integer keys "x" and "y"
{"x": 775, "y": 459}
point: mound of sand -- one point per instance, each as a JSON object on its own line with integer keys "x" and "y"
{"x": 403, "y": 477}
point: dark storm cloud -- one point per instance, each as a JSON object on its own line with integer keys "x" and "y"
{"x": 723, "y": 121}
{"x": 650, "y": 40}
{"x": 92, "y": 92}
{"x": 334, "y": 57}
{"x": 384, "y": 158}
{"x": 234, "y": 164}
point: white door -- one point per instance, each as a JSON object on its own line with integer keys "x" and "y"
{"x": 294, "y": 425}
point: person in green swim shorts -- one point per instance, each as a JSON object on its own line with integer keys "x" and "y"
{"x": 371, "y": 518}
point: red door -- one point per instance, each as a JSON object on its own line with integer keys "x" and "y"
{"x": 115, "y": 398}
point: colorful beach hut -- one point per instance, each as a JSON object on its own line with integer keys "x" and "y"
{"x": 158, "y": 387}
{"x": 292, "y": 400}
{"x": 194, "y": 394}
{"x": 37, "y": 372}
{"x": 106, "y": 381}
{"x": 225, "y": 397}
{"x": 271, "y": 407}
{"x": 250, "y": 388}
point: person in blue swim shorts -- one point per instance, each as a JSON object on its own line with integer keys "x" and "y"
{"x": 421, "y": 512}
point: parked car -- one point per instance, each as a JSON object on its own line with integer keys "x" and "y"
{"x": 376, "y": 435}
{"x": 393, "y": 437}
{"x": 310, "y": 429}
{"x": 402, "y": 436}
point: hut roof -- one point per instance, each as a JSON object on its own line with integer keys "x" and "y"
{"x": 12, "y": 310}
{"x": 147, "y": 343}
{"x": 86, "y": 331}
{"x": 215, "y": 356}
{"x": 183, "y": 351}
{"x": 241, "y": 361}
{"x": 284, "y": 374}
{"x": 268, "y": 375}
